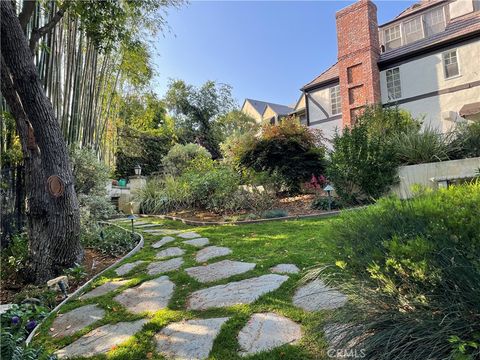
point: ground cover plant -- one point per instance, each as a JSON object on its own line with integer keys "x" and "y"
{"x": 413, "y": 268}
{"x": 268, "y": 244}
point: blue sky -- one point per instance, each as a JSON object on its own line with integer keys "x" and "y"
{"x": 265, "y": 49}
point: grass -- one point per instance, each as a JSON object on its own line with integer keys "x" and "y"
{"x": 302, "y": 242}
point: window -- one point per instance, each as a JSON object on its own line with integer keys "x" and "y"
{"x": 450, "y": 64}
{"x": 335, "y": 100}
{"x": 394, "y": 88}
{"x": 413, "y": 30}
{"x": 393, "y": 38}
{"x": 435, "y": 21}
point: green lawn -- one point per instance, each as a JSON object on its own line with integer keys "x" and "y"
{"x": 302, "y": 242}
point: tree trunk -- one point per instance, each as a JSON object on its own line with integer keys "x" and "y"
{"x": 53, "y": 214}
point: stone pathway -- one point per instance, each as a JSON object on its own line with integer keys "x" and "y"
{"x": 211, "y": 252}
{"x": 267, "y": 331}
{"x": 192, "y": 339}
{"x": 219, "y": 270}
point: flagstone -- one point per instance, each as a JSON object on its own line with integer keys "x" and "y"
{"x": 266, "y": 331}
{"x": 102, "y": 339}
{"x": 151, "y": 295}
{"x": 198, "y": 242}
{"x": 235, "y": 293}
{"x": 189, "y": 340}
{"x": 189, "y": 235}
{"x": 69, "y": 323}
{"x": 126, "y": 268}
{"x": 148, "y": 225}
{"x": 161, "y": 231}
{"x": 163, "y": 241}
{"x": 104, "y": 289}
{"x": 159, "y": 267}
{"x": 316, "y": 296}
{"x": 219, "y": 270}
{"x": 285, "y": 269}
{"x": 211, "y": 252}
{"x": 170, "y": 252}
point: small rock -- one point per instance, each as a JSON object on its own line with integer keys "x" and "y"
{"x": 234, "y": 293}
{"x": 316, "y": 296}
{"x": 211, "y": 252}
{"x": 198, "y": 242}
{"x": 285, "y": 269}
{"x": 189, "y": 340}
{"x": 219, "y": 270}
{"x": 101, "y": 340}
{"x": 189, "y": 235}
{"x": 126, "y": 268}
{"x": 170, "y": 252}
{"x": 77, "y": 319}
{"x": 267, "y": 331}
{"x": 53, "y": 283}
{"x": 151, "y": 295}
{"x": 165, "y": 240}
{"x": 159, "y": 267}
{"x": 104, "y": 289}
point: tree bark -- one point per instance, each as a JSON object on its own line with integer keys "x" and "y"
{"x": 54, "y": 221}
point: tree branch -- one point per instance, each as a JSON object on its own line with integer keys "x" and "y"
{"x": 37, "y": 34}
{"x": 26, "y": 14}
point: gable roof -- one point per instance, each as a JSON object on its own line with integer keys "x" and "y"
{"x": 421, "y": 5}
{"x": 327, "y": 76}
{"x": 279, "y": 109}
{"x": 261, "y": 106}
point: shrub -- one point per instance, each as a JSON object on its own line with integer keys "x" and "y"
{"x": 108, "y": 240}
{"x": 289, "y": 150}
{"x": 274, "y": 213}
{"x": 467, "y": 141}
{"x": 428, "y": 145}
{"x": 321, "y": 203}
{"x": 413, "y": 267}
{"x": 180, "y": 156}
{"x": 15, "y": 256}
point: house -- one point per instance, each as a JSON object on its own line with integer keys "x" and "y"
{"x": 426, "y": 60}
{"x": 263, "y": 111}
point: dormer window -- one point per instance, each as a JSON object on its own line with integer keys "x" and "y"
{"x": 413, "y": 30}
{"x": 434, "y": 21}
{"x": 393, "y": 37}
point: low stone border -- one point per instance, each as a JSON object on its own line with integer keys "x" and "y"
{"x": 207, "y": 223}
{"x": 81, "y": 288}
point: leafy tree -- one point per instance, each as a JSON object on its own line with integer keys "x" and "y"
{"x": 180, "y": 156}
{"x": 197, "y": 110}
{"x": 236, "y": 123}
{"x": 289, "y": 150}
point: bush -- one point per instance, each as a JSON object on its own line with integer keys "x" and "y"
{"x": 413, "y": 267}
{"x": 108, "y": 240}
{"x": 428, "y": 145}
{"x": 321, "y": 203}
{"x": 274, "y": 213}
{"x": 289, "y": 150}
{"x": 363, "y": 162}
{"x": 15, "y": 256}
{"x": 180, "y": 156}
{"x": 467, "y": 141}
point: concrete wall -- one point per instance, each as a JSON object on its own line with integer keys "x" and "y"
{"x": 422, "y": 174}
{"x": 425, "y": 75}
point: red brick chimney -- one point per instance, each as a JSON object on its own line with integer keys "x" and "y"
{"x": 358, "y": 52}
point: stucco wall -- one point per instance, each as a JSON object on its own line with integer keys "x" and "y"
{"x": 426, "y": 75}
{"x": 250, "y": 110}
{"x": 317, "y": 118}
{"x": 460, "y": 7}
{"x": 422, "y": 174}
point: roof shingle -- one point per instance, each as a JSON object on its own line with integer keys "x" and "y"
{"x": 328, "y": 75}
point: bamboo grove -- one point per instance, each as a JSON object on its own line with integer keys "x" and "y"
{"x": 86, "y": 73}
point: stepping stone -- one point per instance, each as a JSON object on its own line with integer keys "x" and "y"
{"x": 161, "y": 231}
{"x": 211, "y": 252}
{"x": 126, "y": 268}
{"x": 219, "y": 270}
{"x": 189, "y": 340}
{"x": 170, "y": 252}
{"x": 316, "y": 296}
{"x": 189, "y": 235}
{"x": 285, "y": 269}
{"x": 148, "y": 226}
{"x": 104, "y": 289}
{"x": 152, "y": 295}
{"x": 101, "y": 340}
{"x": 165, "y": 240}
{"x": 234, "y": 293}
{"x": 198, "y": 242}
{"x": 267, "y": 331}
{"x": 159, "y": 267}
{"x": 69, "y": 323}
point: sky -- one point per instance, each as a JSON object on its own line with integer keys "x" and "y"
{"x": 266, "y": 50}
